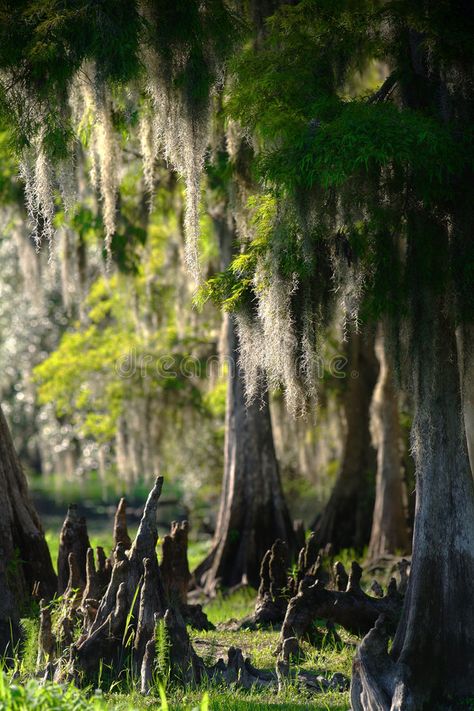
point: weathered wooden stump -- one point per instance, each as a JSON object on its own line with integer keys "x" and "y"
{"x": 174, "y": 564}
{"x": 72, "y": 539}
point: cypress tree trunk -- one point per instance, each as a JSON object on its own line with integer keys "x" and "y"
{"x": 431, "y": 663}
{"x": 346, "y": 520}
{"x": 465, "y": 345}
{"x": 252, "y": 510}
{"x": 432, "y": 658}
{"x": 389, "y": 527}
{"x": 25, "y": 561}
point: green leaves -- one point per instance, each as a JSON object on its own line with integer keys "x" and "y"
{"x": 338, "y": 164}
{"x": 361, "y": 139}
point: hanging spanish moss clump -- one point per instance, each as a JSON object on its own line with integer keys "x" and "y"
{"x": 270, "y": 343}
{"x": 276, "y": 321}
{"x": 186, "y": 48}
{"x": 183, "y": 140}
{"x": 67, "y": 183}
{"x": 241, "y": 190}
{"x": 108, "y": 162}
{"x": 281, "y": 327}
{"x": 280, "y": 349}
{"x": 251, "y": 356}
{"x": 44, "y": 197}
{"x": 26, "y": 173}
{"x": 348, "y": 288}
{"x": 195, "y": 148}
{"x": 91, "y": 106}
{"x": 310, "y": 345}
{"x": 149, "y": 152}
{"x": 37, "y": 173}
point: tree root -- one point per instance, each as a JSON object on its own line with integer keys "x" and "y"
{"x": 130, "y": 612}
{"x": 315, "y": 592}
{"x": 72, "y": 539}
{"x": 116, "y": 604}
{"x": 374, "y": 673}
{"x": 353, "y": 609}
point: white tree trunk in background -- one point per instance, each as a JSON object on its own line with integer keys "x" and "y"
{"x": 389, "y": 527}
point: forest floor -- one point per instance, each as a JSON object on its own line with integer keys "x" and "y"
{"x": 20, "y": 690}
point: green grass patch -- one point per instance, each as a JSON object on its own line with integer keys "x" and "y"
{"x": 231, "y": 607}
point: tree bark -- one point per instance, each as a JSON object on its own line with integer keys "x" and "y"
{"x": 25, "y": 562}
{"x": 252, "y": 510}
{"x": 389, "y": 526}
{"x": 346, "y": 519}
{"x": 465, "y": 340}
{"x": 432, "y": 658}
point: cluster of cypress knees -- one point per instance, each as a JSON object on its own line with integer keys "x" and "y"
{"x": 110, "y": 611}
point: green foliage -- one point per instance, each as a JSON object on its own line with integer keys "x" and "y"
{"x": 309, "y": 52}
{"x": 106, "y": 362}
{"x": 289, "y": 93}
{"x": 35, "y": 696}
{"x": 215, "y": 400}
{"x": 359, "y": 138}
{"x": 162, "y": 655}
{"x": 232, "y": 287}
{"x": 351, "y": 178}
{"x": 29, "y": 650}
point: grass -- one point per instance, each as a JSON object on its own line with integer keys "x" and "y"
{"x": 34, "y": 696}
{"x": 97, "y": 538}
{"x": 231, "y": 607}
{"x": 197, "y": 551}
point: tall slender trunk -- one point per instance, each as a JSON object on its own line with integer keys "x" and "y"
{"x": 25, "y": 561}
{"x": 432, "y": 658}
{"x": 465, "y": 339}
{"x": 252, "y": 511}
{"x": 346, "y": 520}
{"x": 389, "y": 526}
{"x": 431, "y": 663}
